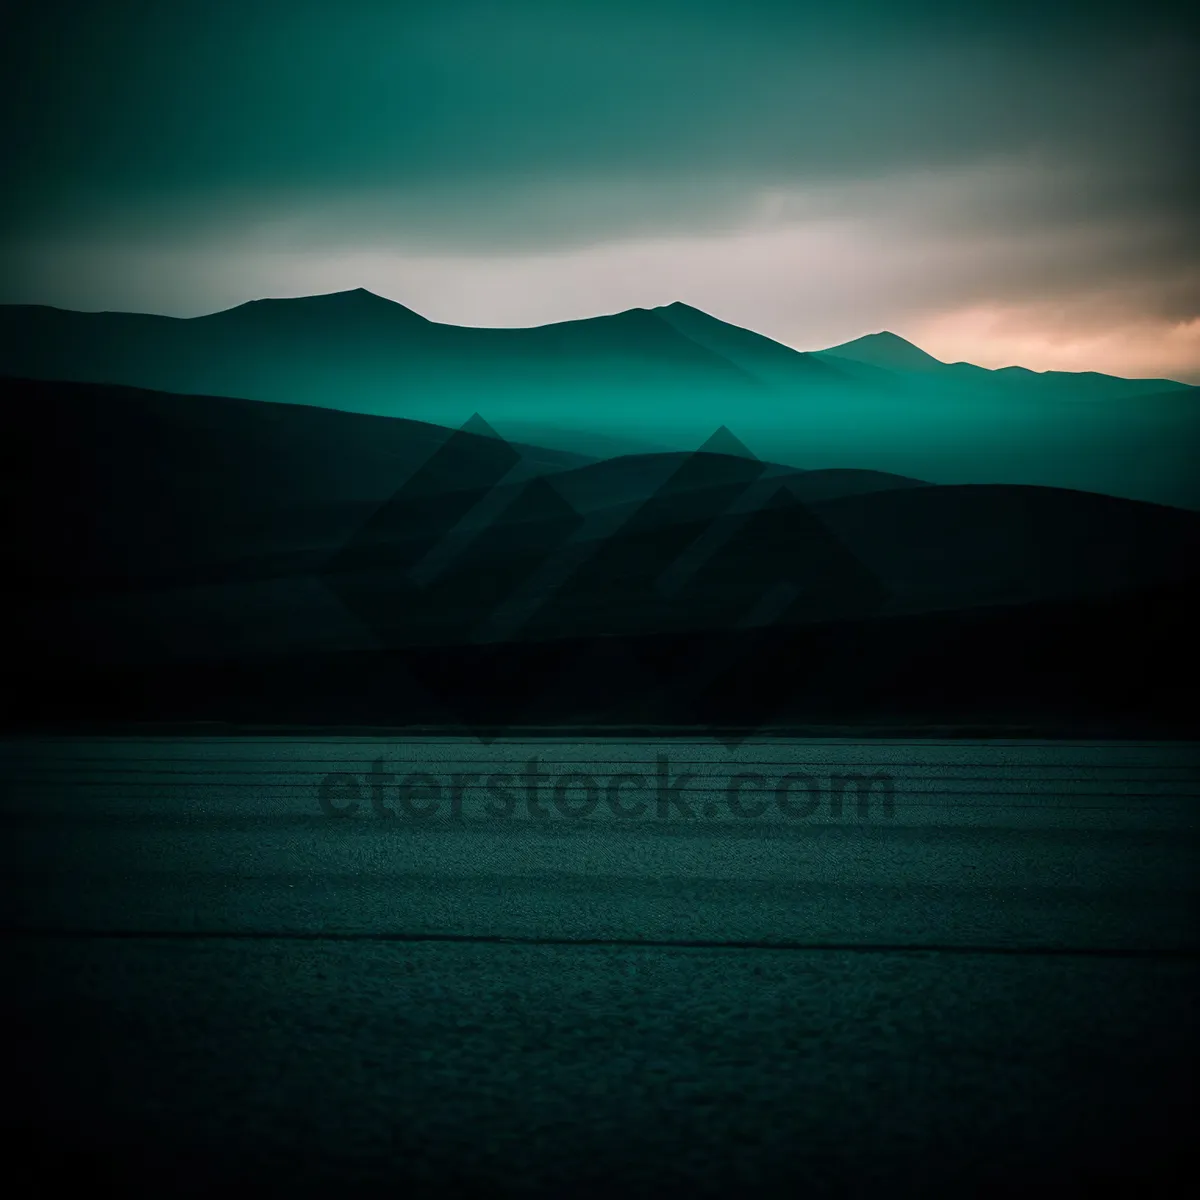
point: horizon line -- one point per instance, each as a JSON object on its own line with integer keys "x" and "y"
{"x": 829, "y": 350}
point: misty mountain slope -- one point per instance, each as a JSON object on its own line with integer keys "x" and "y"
{"x": 364, "y": 342}
{"x": 628, "y": 479}
{"x": 635, "y": 335}
{"x": 981, "y": 544}
{"x": 315, "y": 449}
{"x": 886, "y": 350}
{"x": 589, "y": 442}
{"x": 910, "y": 550}
{"x": 115, "y": 480}
{"x": 353, "y": 351}
{"x": 648, "y": 380}
{"x": 831, "y": 483}
{"x": 633, "y": 477}
{"x": 612, "y": 492}
{"x": 768, "y": 360}
{"x": 1143, "y": 448}
{"x": 150, "y": 528}
{"x": 887, "y": 360}
{"x": 886, "y": 380}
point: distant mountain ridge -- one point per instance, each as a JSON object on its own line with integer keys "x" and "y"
{"x": 364, "y": 315}
{"x": 645, "y": 380}
{"x": 891, "y": 352}
{"x": 111, "y": 478}
{"x": 886, "y": 349}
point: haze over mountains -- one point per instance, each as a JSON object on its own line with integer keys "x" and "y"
{"x": 647, "y": 379}
{"x": 183, "y": 555}
{"x": 332, "y": 509}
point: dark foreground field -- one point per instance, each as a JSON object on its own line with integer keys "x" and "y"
{"x": 324, "y": 1067}
{"x": 252, "y": 961}
{"x": 1118, "y": 666}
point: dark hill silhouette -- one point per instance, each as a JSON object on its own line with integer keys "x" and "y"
{"x": 631, "y": 476}
{"x": 626, "y": 479}
{"x": 587, "y": 442}
{"x": 644, "y": 380}
{"x": 357, "y": 307}
{"x": 158, "y": 525}
{"x": 768, "y": 360}
{"x": 954, "y": 546}
{"x": 895, "y": 354}
{"x": 350, "y": 350}
{"x": 170, "y": 473}
{"x": 930, "y": 548}
{"x": 887, "y": 350}
{"x": 113, "y": 480}
{"x": 235, "y": 344}
{"x": 887, "y": 359}
{"x": 1116, "y": 667}
{"x": 206, "y": 558}
{"x": 832, "y": 483}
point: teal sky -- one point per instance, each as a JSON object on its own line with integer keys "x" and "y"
{"x": 995, "y": 182}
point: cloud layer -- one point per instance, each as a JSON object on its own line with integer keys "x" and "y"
{"x": 1003, "y": 181}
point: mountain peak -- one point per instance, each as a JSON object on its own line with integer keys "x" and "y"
{"x": 360, "y": 297}
{"x": 477, "y": 425}
{"x": 724, "y": 442}
{"x": 678, "y": 311}
{"x": 886, "y": 349}
{"x": 358, "y": 293}
{"x": 352, "y": 303}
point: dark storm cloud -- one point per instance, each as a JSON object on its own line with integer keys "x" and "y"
{"x": 466, "y": 112}
{"x": 1010, "y": 178}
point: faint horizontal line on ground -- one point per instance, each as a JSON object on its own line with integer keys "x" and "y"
{"x": 1182, "y": 952}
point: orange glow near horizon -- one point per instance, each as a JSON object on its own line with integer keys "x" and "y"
{"x": 998, "y": 337}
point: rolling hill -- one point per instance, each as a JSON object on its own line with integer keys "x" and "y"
{"x": 217, "y": 558}
{"x": 644, "y": 381}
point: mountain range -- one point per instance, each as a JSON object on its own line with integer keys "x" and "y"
{"x": 646, "y": 380}
{"x": 205, "y": 557}
{"x": 331, "y": 510}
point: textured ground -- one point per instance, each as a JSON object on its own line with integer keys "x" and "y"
{"x": 237, "y": 991}
{"x": 172, "y": 1065}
